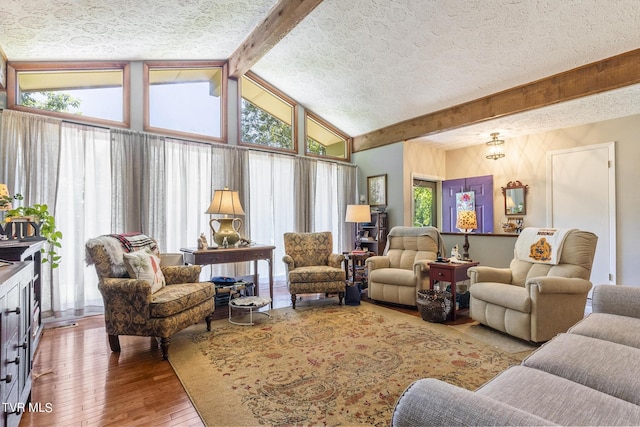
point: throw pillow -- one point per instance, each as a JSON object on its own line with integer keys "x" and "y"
{"x": 145, "y": 265}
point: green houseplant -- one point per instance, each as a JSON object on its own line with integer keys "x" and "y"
{"x": 45, "y": 224}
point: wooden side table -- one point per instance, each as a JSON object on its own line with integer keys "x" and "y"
{"x": 356, "y": 272}
{"x": 449, "y": 272}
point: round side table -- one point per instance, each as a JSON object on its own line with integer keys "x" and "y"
{"x": 252, "y": 304}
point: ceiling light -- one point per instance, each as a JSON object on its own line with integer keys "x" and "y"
{"x": 495, "y": 147}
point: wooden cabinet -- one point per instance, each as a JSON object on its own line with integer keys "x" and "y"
{"x": 16, "y": 339}
{"x": 28, "y": 250}
{"x": 373, "y": 235}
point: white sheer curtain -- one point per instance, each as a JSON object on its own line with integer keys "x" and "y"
{"x": 84, "y": 207}
{"x": 98, "y": 181}
{"x": 271, "y": 203}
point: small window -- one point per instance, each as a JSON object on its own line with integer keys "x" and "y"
{"x": 324, "y": 140}
{"x": 424, "y": 203}
{"x": 90, "y": 92}
{"x": 185, "y": 99}
{"x": 267, "y": 116}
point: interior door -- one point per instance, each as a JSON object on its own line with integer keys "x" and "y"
{"x": 581, "y": 194}
{"x": 482, "y": 186}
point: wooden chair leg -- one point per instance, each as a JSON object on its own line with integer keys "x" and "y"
{"x": 208, "y": 319}
{"x": 114, "y": 343}
{"x": 164, "y": 344}
{"x": 293, "y": 300}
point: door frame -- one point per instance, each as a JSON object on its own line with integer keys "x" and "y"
{"x": 611, "y": 202}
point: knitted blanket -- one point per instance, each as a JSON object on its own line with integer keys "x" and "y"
{"x": 415, "y": 232}
{"x": 116, "y": 245}
{"x": 541, "y": 245}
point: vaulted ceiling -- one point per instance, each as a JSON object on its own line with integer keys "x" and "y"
{"x": 446, "y": 72}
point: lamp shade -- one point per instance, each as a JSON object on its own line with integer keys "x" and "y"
{"x": 225, "y": 202}
{"x": 466, "y": 221}
{"x": 358, "y": 213}
{"x": 4, "y": 192}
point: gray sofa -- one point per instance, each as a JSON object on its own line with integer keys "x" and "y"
{"x": 587, "y": 376}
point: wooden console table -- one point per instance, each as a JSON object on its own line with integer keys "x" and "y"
{"x": 229, "y": 255}
{"x": 449, "y": 272}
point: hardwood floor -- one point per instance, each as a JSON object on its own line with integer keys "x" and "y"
{"x": 83, "y": 383}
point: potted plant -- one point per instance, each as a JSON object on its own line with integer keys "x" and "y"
{"x": 44, "y": 225}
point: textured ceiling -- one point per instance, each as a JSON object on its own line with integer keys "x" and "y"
{"x": 359, "y": 64}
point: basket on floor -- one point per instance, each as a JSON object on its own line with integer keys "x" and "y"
{"x": 434, "y": 306}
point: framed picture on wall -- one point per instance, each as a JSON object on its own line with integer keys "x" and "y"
{"x": 377, "y": 190}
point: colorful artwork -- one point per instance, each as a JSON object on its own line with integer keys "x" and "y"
{"x": 465, "y": 201}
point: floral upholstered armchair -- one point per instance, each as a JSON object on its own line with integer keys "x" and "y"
{"x": 142, "y": 297}
{"x": 311, "y": 265}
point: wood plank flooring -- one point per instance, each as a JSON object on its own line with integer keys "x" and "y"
{"x": 88, "y": 385}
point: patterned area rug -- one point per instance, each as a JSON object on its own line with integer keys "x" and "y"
{"x": 323, "y": 365}
{"x": 495, "y": 338}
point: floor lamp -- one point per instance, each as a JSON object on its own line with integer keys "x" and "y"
{"x": 358, "y": 214}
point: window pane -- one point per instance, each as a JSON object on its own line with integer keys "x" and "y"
{"x": 322, "y": 141}
{"x": 187, "y": 100}
{"x": 88, "y": 93}
{"x": 424, "y": 203}
{"x": 266, "y": 118}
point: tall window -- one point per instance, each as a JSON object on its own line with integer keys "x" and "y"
{"x": 424, "y": 203}
{"x": 186, "y": 99}
{"x": 95, "y": 92}
{"x": 267, "y": 116}
{"x": 324, "y": 140}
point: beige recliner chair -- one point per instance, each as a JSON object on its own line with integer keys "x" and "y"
{"x": 403, "y": 270}
{"x": 535, "y": 299}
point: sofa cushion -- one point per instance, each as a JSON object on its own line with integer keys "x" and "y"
{"x": 508, "y": 296}
{"x": 431, "y": 402}
{"x": 145, "y": 265}
{"x": 173, "y": 299}
{"x": 316, "y": 273}
{"x": 601, "y": 365}
{"x": 394, "y": 276}
{"x": 610, "y": 327}
{"x": 558, "y": 399}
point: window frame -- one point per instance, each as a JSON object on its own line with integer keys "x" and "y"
{"x": 274, "y": 91}
{"x": 13, "y": 68}
{"x": 309, "y": 115}
{"x": 148, "y": 65}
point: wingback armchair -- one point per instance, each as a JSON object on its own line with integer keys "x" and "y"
{"x": 132, "y": 306}
{"x": 403, "y": 270}
{"x": 311, "y": 265}
{"x": 536, "y": 300}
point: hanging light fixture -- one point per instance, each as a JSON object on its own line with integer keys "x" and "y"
{"x": 495, "y": 147}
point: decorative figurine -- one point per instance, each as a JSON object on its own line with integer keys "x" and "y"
{"x": 202, "y": 242}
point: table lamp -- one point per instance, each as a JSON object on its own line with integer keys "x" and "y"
{"x": 358, "y": 214}
{"x": 226, "y": 202}
{"x": 466, "y": 222}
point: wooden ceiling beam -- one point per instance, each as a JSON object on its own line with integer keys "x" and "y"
{"x": 611, "y": 73}
{"x": 282, "y": 18}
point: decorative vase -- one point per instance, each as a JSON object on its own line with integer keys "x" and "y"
{"x": 227, "y": 233}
